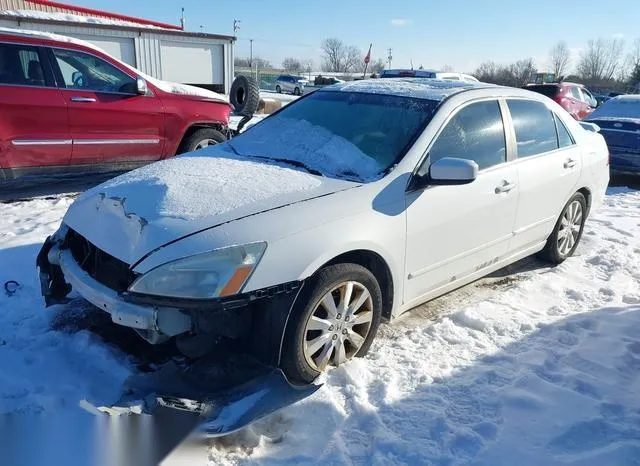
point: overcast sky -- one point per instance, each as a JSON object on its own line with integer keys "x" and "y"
{"x": 460, "y": 33}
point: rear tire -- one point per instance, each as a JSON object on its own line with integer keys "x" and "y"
{"x": 296, "y": 91}
{"x": 200, "y": 139}
{"x": 568, "y": 231}
{"x": 317, "y": 336}
{"x": 278, "y": 89}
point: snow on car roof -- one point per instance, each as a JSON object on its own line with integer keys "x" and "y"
{"x": 432, "y": 89}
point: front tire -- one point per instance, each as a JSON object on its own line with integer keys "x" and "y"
{"x": 278, "y": 89}
{"x": 335, "y": 319}
{"x": 200, "y": 139}
{"x": 296, "y": 91}
{"x": 568, "y": 231}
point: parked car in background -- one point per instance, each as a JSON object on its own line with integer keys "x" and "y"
{"x": 446, "y": 75}
{"x": 320, "y": 80}
{"x": 430, "y": 184}
{"x": 619, "y": 122}
{"x": 68, "y": 107}
{"x": 291, "y": 84}
{"x": 574, "y": 98}
{"x": 601, "y": 98}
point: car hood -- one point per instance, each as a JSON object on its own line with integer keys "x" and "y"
{"x": 140, "y": 211}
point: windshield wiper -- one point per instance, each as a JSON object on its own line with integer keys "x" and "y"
{"x": 295, "y": 163}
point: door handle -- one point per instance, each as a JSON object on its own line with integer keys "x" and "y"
{"x": 505, "y": 188}
{"x": 82, "y": 99}
{"x": 570, "y": 163}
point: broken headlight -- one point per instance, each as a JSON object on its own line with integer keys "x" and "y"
{"x": 222, "y": 272}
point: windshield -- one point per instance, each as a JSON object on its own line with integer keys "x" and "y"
{"x": 339, "y": 134}
{"x": 618, "y": 108}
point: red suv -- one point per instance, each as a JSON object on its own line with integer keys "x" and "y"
{"x": 574, "y": 98}
{"x": 68, "y": 107}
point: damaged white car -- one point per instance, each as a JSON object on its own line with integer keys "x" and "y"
{"x": 349, "y": 206}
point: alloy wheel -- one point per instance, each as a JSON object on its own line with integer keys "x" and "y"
{"x": 205, "y": 143}
{"x": 569, "y": 228}
{"x": 338, "y": 326}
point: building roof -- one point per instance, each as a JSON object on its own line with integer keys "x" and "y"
{"x": 57, "y": 7}
{"x": 420, "y": 88}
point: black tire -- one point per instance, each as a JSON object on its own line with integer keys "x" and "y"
{"x": 245, "y": 95}
{"x": 293, "y": 361}
{"x": 278, "y": 89}
{"x": 552, "y": 252}
{"x": 296, "y": 91}
{"x": 191, "y": 142}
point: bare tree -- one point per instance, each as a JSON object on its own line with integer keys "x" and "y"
{"x": 377, "y": 65}
{"x": 633, "y": 63}
{"x": 291, "y": 64}
{"x": 600, "y": 60}
{"x": 333, "y": 54}
{"x": 338, "y": 57}
{"x": 522, "y": 72}
{"x": 559, "y": 57}
{"x": 244, "y": 62}
{"x": 446, "y": 68}
{"x": 486, "y": 72}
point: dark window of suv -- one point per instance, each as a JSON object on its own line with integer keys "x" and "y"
{"x": 83, "y": 71}
{"x": 475, "y": 133}
{"x": 534, "y": 126}
{"x": 550, "y": 90}
{"x": 20, "y": 65}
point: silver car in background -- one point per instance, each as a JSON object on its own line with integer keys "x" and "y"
{"x": 291, "y": 84}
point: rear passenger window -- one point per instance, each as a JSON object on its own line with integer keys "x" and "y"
{"x": 474, "y": 133}
{"x": 534, "y": 126}
{"x": 20, "y": 65}
{"x": 564, "y": 138}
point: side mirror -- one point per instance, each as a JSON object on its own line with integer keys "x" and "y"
{"x": 449, "y": 170}
{"x": 141, "y": 86}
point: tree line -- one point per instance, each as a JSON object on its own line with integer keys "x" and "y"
{"x": 602, "y": 63}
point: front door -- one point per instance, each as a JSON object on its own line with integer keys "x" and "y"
{"x": 109, "y": 122}
{"x": 34, "y": 126}
{"x": 454, "y": 231}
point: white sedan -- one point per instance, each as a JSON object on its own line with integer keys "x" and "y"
{"x": 348, "y": 207}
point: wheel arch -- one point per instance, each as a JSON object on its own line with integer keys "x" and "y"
{"x": 586, "y": 192}
{"x": 377, "y": 265}
{"x": 193, "y": 127}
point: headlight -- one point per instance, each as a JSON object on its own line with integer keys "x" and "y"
{"x": 222, "y": 272}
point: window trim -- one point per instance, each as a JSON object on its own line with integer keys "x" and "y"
{"x": 554, "y": 114}
{"x": 49, "y": 77}
{"x": 60, "y": 80}
{"x": 414, "y": 174}
{"x": 557, "y": 119}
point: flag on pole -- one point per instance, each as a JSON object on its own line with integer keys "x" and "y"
{"x": 367, "y": 58}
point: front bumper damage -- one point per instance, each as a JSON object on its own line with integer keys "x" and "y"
{"x": 224, "y": 391}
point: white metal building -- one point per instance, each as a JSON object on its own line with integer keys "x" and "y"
{"x": 164, "y": 51}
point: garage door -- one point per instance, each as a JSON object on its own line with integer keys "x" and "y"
{"x": 192, "y": 63}
{"x": 120, "y": 47}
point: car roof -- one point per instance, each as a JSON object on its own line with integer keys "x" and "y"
{"x": 432, "y": 89}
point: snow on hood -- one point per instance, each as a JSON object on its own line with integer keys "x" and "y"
{"x": 142, "y": 210}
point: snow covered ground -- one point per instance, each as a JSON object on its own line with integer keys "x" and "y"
{"x": 533, "y": 366}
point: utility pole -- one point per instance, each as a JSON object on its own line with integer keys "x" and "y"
{"x": 182, "y": 19}
{"x": 250, "y": 53}
{"x": 390, "y": 57}
{"x": 236, "y": 26}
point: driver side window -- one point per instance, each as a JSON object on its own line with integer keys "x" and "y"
{"x": 476, "y": 132}
{"x": 86, "y": 72}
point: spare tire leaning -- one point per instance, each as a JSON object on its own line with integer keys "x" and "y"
{"x": 245, "y": 95}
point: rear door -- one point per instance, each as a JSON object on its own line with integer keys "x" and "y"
{"x": 34, "y": 126}
{"x": 548, "y": 163}
{"x": 109, "y": 122}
